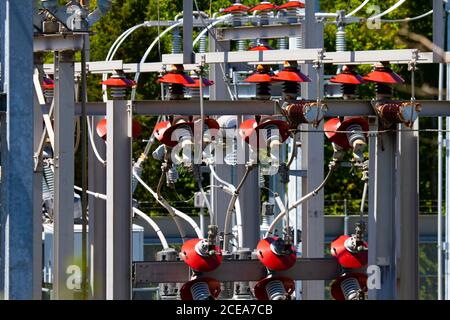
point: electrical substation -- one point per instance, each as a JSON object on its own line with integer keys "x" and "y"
{"x": 246, "y": 108}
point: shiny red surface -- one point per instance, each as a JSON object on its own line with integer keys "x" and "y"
{"x": 178, "y": 78}
{"x": 263, "y": 7}
{"x": 384, "y": 75}
{"x": 259, "y": 77}
{"x": 260, "y": 48}
{"x": 119, "y": 82}
{"x": 346, "y": 258}
{"x": 236, "y": 8}
{"x": 340, "y": 138}
{"x": 102, "y": 129}
{"x": 348, "y": 78}
{"x": 291, "y": 75}
{"x": 291, "y": 4}
{"x": 197, "y": 262}
{"x": 270, "y": 259}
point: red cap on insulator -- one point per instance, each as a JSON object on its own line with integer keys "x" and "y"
{"x": 333, "y": 126}
{"x": 261, "y": 75}
{"x": 260, "y": 47}
{"x": 237, "y": 7}
{"x": 291, "y": 73}
{"x": 250, "y": 127}
{"x": 176, "y": 75}
{"x": 163, "y": 131}
{"x": 213, "y": 285}
{"x": 336, "y": 289}
{"x": 346, "y": 258}
{"x": 260, "y": 287}
{"x": 102, "y": 129}
{"x": 274, "y": 261}
{"x": 348, "y": 76}
{"x": 291, "y": 4}
{"x": 384, "y": 74}
{"x": 263, "y": 6}
{"x": 198, "y": 262}
{"x": 48, "y": 84}
{"x": 119, "y": 82}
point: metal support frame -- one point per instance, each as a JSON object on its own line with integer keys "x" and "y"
{"x": 312, "y": 160}
{"x": 188, "y": 24}
{"x": 260, "y": 32}
{"x": 408, "y": 215}
{"x": 97, "y": 218}
{"x": 118, "y": 204}
{"x": 18, "y": 238}
{"x": 238, "y": 270}
{"x": 63, "y": 240}
{"x": 382, "y": 181}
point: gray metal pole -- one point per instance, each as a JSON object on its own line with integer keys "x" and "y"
{"x": 439, "y": 195}
{"x": 408, "y": 224}
{"x": 219, "y": 91}
{"x": 17, "y": 217}
{"x": 447, "y": 198}
{"x": 97, "y": 218}
{"x": 118, "y": 205}
{"x": 312, "y": 160}
{"x": 188, "y": 22}
{"x": 63, "y": 241}
{"x": 382, "y": 212}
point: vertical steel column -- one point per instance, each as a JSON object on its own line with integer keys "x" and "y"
{"x": 440, "y": 188}
{"x": 312, "y": 161}
{"x": 17, "y": 178}
{"x": 188, "y": 23}
{"x": 249, "y": 201}
{"x": 37, "y": 184}
{"x": 63, "y": 240}
{"x": 118, "y": 205}
{"x": 438, "y": 30}
{"x": 97, "y": 218}
{"x": 219, "y": 199}
{"x": 408, "y": 227}
{"x": 382, "y": 183}
{"x": 446, "y": 252}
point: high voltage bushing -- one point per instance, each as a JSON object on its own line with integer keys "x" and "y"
{"x": 118, "y": 85}
{"x": 349, "y": 80}
{"x": 291, "y": 77}
{"x": 274, "y": 288}
{"x": 202, "y": 288}
{"x": 349, "y": 286}
{"x": 263, "y": 9}
{"x": 176, "y": 79}
{"x": 304, "y": 112}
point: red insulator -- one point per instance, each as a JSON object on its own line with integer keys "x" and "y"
{"x": 176, "y": 75}
{"x": 333, "y": 126}
{"x": 195, "y": 253}
{"x": 399, "y": 112}
{"x": 260, "y": 47}
{"x": 347, "y": 258}
{"x": 163, "y": 131}
{"x": 263, "y": 6}
{"x": 48, "y": 84}
{"x": 291, "y": 4}
{"x": 348, "y": 76}
{"x": 292, "y": 75}
{"x": 383, "y": 74}
{"x": 272, "y": 253}
{"x": 262, "y": 74}
{"x": 249, "y": 128}
{"x": 264, "y": 289}
{"x": 119, "y": 81}
{"x": 102, "y": 129}
{"x": 237, "y": 7}
{"x": 341, "y": 288}
{"x": 189, "y": 291}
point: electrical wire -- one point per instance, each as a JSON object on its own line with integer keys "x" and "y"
{"x": 172, "y": 211}
{"x": 300, "y": 201}
{"x": 362, "y": 5}
{"x": 155, "y": 227}
{"x": 391, "y": 9}
{"x": 150, "y": 221}
{"x": 408, "y": 19}
{"x": 93, "y": 145}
